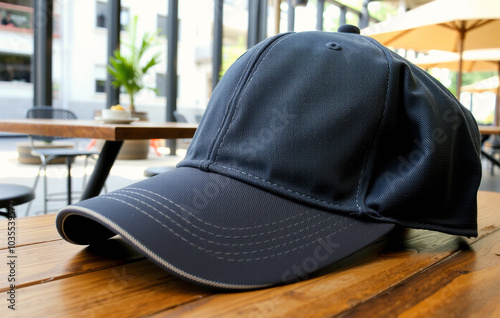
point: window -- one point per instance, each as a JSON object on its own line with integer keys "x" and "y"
{"x": 124, "y": 18}
{"x": 24, "y": 3}
{"x": 101, "y": 16}
{"x": 15, "y": 68}
{"x": 100, "y": 86}
{"x": 161, "y": 25}
{"x": 16, "y": 18}
{"x": 161, "y": 85}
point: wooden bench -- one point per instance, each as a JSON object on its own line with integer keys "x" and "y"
{"x": 418, "y": 274}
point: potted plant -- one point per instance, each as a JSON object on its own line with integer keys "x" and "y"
{"x": 129, "y": 69}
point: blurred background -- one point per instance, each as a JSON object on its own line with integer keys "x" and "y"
{"x": 79, "y": 49}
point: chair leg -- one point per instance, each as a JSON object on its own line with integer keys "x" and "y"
{"x": 84, "y": 180}
{"x": 45, "y": 191}
{"x": 34, "y": 189}
{"x": 9, "y": 213}
{"x": 68, "y": 165}
{"x": 492, "y": 170}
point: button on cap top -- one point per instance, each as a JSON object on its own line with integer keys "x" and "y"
{"x": 348, "y": 28}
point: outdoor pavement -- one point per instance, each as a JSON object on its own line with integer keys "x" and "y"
{"x": 123, "y": 173}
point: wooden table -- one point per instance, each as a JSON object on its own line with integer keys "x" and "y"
{"x": 486, "y": 131}
{"x": 489, "y": 130}
{"x": 417, "y": 274}
{"x": 114, "y": 135}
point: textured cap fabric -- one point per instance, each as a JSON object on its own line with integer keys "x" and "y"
{"x": 313, "y": 146}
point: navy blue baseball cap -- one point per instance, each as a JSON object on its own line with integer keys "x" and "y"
{"x": 313, "y": 146}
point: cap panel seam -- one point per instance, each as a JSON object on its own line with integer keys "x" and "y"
{"x": 369, "y": 152}
{"x": 377, "y": 216}
{"x": 229, "y": 102}
{"x": 277, "y": 185}
{"x": 244, "y": 91}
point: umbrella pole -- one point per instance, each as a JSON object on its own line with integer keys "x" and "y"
{"x": 460, "y": 61}
{"x": 497, "y": 99}
{"x": 459, "y": 80}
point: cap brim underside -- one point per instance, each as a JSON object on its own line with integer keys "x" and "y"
{"x": 217, "y": 231}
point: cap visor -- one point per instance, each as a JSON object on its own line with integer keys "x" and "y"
{"x": 217, "y": 231}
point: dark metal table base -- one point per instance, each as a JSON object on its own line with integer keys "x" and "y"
{"x": 490, "y": 158}
{"x": 102, "y": 167}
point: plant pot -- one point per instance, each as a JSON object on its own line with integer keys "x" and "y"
{"x": 299, "y": 3}
{"x": 131, "y": 149}
{"x": 24, "y": 155}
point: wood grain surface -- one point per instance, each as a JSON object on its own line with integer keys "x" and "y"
{"x": 413, "y": 273}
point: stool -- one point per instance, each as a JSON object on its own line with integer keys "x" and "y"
{"x": 14, "y": 194}
{"x": 153, "y": 171}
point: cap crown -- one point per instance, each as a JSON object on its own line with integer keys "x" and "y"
{"x": 339, "y": 122}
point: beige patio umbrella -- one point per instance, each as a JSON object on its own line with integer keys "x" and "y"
{"x": 489, "y": 85}
{"x": 475, "y": 60}
{"x": 472, "y": 61}
{"x": 447, "y": 25}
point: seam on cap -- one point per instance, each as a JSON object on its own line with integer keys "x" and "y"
{"x": 288, "y": 251}
{"x": 277, "y": 185}
{"x": 227, "y": 104}
{"x": 243, "y": 236}
{"x": 389, "y": 55}
{"x": 369, "y": 152}
{"x": 216, "y": 226}
{"x": 245, "y": 89}
{"x": 208, "y": 232}
{"x": 218, "y": 254}
{"x": 155, "y": 257}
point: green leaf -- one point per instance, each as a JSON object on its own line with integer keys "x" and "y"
{"x": 128, "y": 69}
